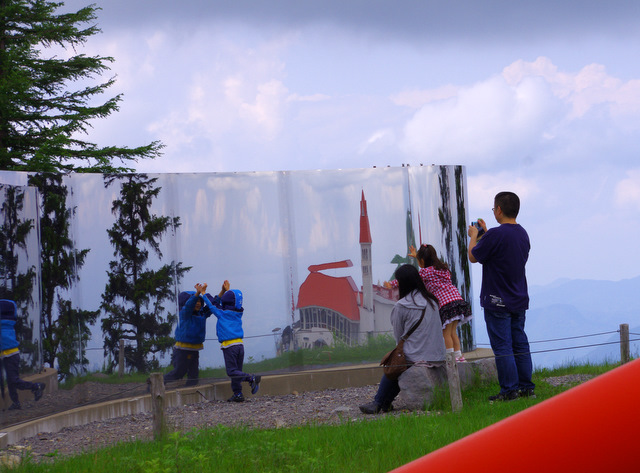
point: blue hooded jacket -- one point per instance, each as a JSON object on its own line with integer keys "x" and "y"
{"x": 8, "y": 319}
{"x": 192, "y": 328}
{"x": 228, "y": 310}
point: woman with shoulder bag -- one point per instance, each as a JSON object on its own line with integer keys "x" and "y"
{"x": 424, "y": 345}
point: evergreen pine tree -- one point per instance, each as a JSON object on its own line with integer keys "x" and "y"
{"x": 17, "y": 280}
{"x": 70, "y": 332}
{"x": 134, "y": 297}
{"x": 65, "y": 328}
{"x": 42, "y": 118}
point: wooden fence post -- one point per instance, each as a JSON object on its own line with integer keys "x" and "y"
{"x": 157, "y": 404}
{"x": 624, "y": 343}
{"x": 454, "y": 383}
{"x": 121, "y": 359}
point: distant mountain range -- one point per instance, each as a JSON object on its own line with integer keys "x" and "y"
{"x": 578, "y": 321}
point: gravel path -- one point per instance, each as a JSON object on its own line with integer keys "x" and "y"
{"x": 329, "y": 406}
{"x": 326, "y": 407}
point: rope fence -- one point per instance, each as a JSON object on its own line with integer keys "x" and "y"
{"x": 127, "y": 342}
{"x": 532, "y": 352}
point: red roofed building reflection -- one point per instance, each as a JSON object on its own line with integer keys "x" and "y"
{"x": 329, "y": 302}
{"x": 334, "y": 305}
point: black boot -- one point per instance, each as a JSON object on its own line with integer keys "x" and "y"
{"x": 255, "y": 383}
{"x": 237, "y": 397}
{"x": 38, "y": 391}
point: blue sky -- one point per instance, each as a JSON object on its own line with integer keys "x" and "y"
{"x": 542, "y": 98}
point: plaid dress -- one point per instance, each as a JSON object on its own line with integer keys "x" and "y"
{"x": 452, "y": 305}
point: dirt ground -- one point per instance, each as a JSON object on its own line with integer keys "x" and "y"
{"x": 327, "y": 406}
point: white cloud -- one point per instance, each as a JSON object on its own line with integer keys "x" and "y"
{"x": 307, "y": 98}
{"x": 219, "y": 211}
{"x": 627, "y": 192}
{"x": 266, "y": 110}
{"x": 320, "y": 232}
{"x": 238, "y": 90}
{"x": 483, "y": 188}
{"x": 202, "y": 208}
{"x": 488, "y": 123}
{"x": 532, "y": 112}
{"x": 379, "y": 140}
{"x": 588, "y": 88}
{"x": 418, "y": 98}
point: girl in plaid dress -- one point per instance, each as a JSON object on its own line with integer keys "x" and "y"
{"x": 454, "y": 309}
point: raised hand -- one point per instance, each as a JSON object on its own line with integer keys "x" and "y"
{"x": 225, "y": 288}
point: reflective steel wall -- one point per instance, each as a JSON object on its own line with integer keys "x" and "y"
{"x": 310, "y": 250}
{"x": 20, "y": 267}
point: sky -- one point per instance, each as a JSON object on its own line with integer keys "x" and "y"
{"x": 541, "y": 98}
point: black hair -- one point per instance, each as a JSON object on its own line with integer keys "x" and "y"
{"x": 409, "y": 280}
{"x": 429, "y": 257}
{"x": 508, "y": 202}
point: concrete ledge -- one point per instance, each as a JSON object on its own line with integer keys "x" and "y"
{"x": 272, "y": 385}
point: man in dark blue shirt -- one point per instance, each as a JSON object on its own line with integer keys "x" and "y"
{"x": 503, "y": 252}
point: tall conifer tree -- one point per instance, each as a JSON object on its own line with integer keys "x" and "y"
{"x": 16, "y": 282}
{"x": 135, "y": 295}
{"x": 43, "y": 118}
{"x": 65, "y": 329}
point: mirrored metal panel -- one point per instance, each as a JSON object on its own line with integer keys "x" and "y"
{"x": 310, "y": 251}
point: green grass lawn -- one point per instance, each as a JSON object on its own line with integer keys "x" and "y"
{"x": 361, "y": 446}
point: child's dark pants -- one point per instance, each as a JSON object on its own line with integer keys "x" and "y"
{"x": 184, "y": 362}
{"x": 11, "y": 367}
{"x": 233, "y": 361}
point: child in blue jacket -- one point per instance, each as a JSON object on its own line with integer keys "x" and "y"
{"x": 227, "y": 307}
{"x": 190, "y": 334}
{"x": 10, "y": 356}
